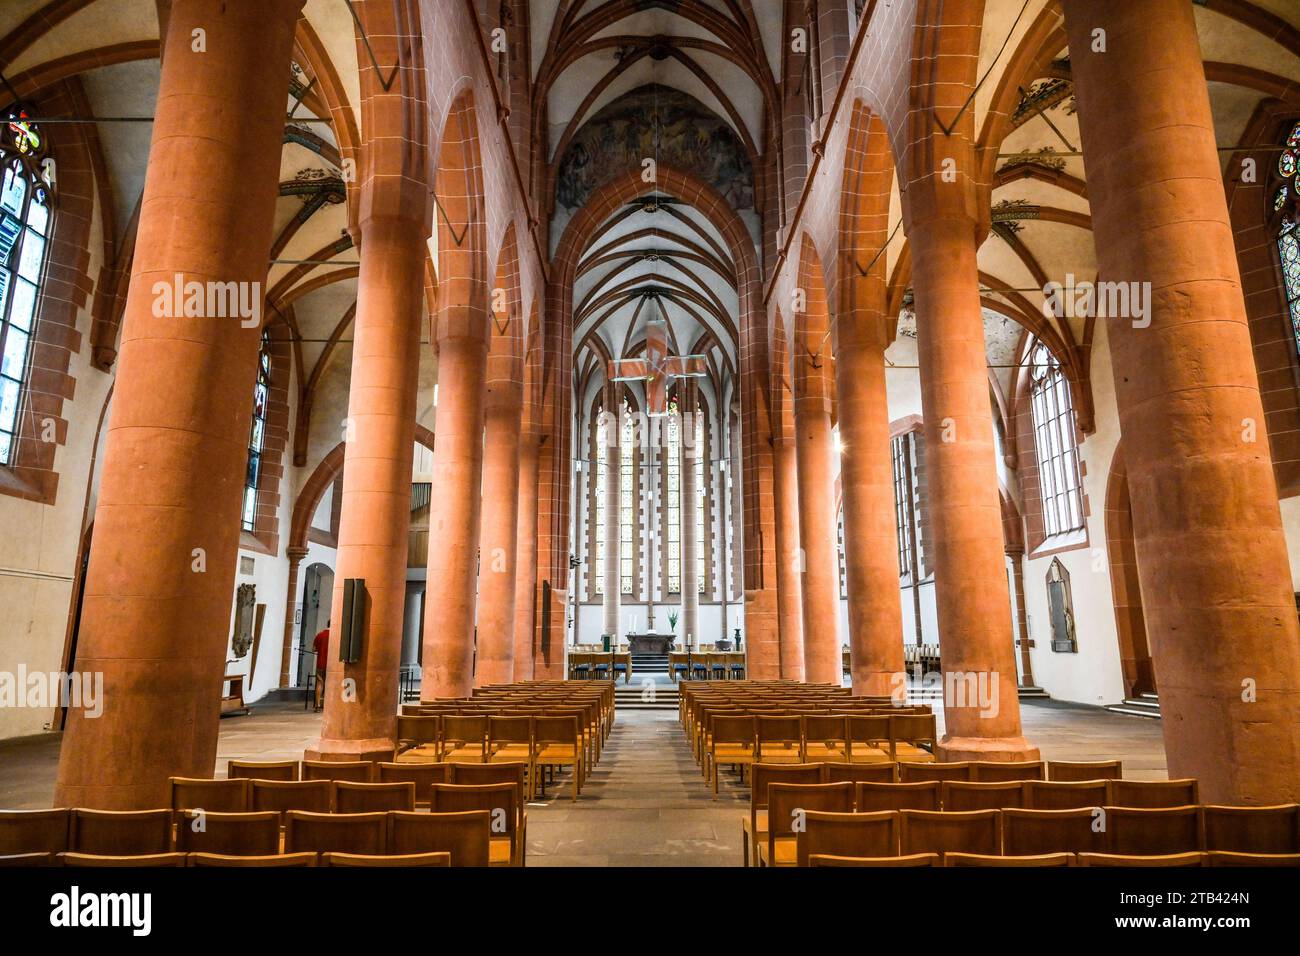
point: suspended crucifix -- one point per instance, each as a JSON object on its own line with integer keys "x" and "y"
{"x": 657, "y": 367}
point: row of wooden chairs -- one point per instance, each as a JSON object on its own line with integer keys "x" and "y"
{"x": 697, "y": 666}
{"x": 827, "y": 818}
{"x": 600, "y": 665}
{"x": 223, "y": 859}
{"x": 1214, "y": 858}
{"x": 477, "y": 829}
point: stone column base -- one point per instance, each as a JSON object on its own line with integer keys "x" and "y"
{"x": 378, "y": 748}
{"x": 1008, "y": 749}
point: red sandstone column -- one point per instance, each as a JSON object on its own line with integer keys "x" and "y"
{"x": 689, "y": 512}
{"x": 867, "y": 479}
{"x": 499, "y": 529}
{"x": 454, "y": 514}
{"x": 1212, "y": 556}
{"x": 981, "y": 707}
{"x": 823, "y": 659}
{"x": 789, "y": 579}
{"x": 526, "y": 556}
{"x": 159, "y": 589}
{"x": 374, "y": 523}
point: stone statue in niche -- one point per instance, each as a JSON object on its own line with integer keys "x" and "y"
{"x": 245, "y": 612}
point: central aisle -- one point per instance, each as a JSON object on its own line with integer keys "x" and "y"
{"x": 644, "y": 805}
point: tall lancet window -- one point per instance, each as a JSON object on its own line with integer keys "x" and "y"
{"x": 257, "y": 433}
{"x": 25, "y": 196}
{"x": 673, "y": 497}
{"x": 1055, "y": 445}
{"x": 1286, "y": 202}
{"x": 627, "y": 498}
{"x": 596, "y": 572}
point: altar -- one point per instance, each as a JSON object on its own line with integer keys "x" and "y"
{"x": 650, "y": 643}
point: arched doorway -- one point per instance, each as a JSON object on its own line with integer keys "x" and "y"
{"x": 317, "y": 593}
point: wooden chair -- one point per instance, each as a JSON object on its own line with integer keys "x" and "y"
{"x": 1073, "y": 771}
{"x": 959, "y": 795}
{"x": 351, "y": 771}
{"x": 270, "y": 859}
{"x": 977, "y": 831}
{"x": 99, "y": 860}
{"x": 120, "y": 832}
{"x": 1152, "y": 831}
{"x": 220, "y": 796}
{"x": 861, "y": 772}
{"x": 912, "y": 859}
{"x": 263, "y": 769}
{"x": 826, "y": 738}
{"x": 34, "y": 831}
{"x": 869, "y": 740}
{"x": 1039, "y": 832}
{"x": 917, "y": 772}
{"x": 907, "y": 735}
{"x": 314, "y": 796}
{"x": 754, "y": 824}
{"x": 373, "y": 797}
{"x": 419, "y": 739}
{"x": 846, "y": 834}
{"x": 464, "y": 836}
{"x": 1226, "y": 858}
{"x": 980, "y": 859}
{"x": 731, "y": 742}
{"x": 422, "y": 775}
{"x": 778, "y": 740}
{"x": 228, "y": 834}
{"x": 500, "y": 800}
{"x": 306, "y": 832}
{"x": 1253, "y": 829}
{"x": 464, "y": 738}
{"x": 404, "y": 860}
{"x": 558, "y": 743}
{"x": 14, "y": 860}
{"x": 787, "y": 806}
{"x": 1071, "y": 795}
{"x": 1153, "y": 793}
{"x": 872, "y": 797}
{"x": 1161, "y": 860}
{"x": 996, "y": 771}
{"x": 510, "y": 740}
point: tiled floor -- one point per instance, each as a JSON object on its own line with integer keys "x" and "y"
{"x": 645, "y": 803}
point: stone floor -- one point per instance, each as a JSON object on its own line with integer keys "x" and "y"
{"x": 645, "y": 804}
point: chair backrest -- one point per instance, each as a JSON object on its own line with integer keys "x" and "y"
{"x": 466, "y": 729}
{"x": 481, "y": 773}
{"x": 353, "y": 771}
{"x": 373, "y": 797}
{"x": 1253, "y": 829}
{"x": 228, "y": 834}
{"x": 1065, "y": 795}
{"x": 423, "y": 775}
{"x": 306, "y": 832}
{"x": 787, "y": 803}
{"x": 733, "y": 729}
{"x": 130, "y": 860}
{"x": 847, "y": 834}
{"x": 220, "y": 796}
{"x": 403, "y": 860}
{"x": 825, "y": 728}
{"x": 960, "y": 795}
{"x": 121, "y": 832}
{"x": 912, "y": 728}
{"x": 269, "y": 859}
{"x": 913, "y": 859}
{"x": 510, "y": 730}
{"x": 994, "y": 771}
{"x": 263, "y": 769}
{"x": 862, "y": 772}
{"x": 34, "y": 831}
{"x": 1153, "y": 793}
{"x": 916, "y": 772}
{"x": 871, "y": 797}
{"x": 781, "y": 732}
{"x": 1152, "y": 831}
{"x": 1154, "y": 860}
{"x": 316, "y": 796}
{"x": 1034, "y": 832}
{"x": 868, "y": 729}
{"x": 764, "y": 774}
{"x": 980, "y": 859}
{"x": 418, "y": 730}
{"x": 557, "y": 730}
{"x": 976, "y": 831}
{"x": 466, "y": 836}
{"x": 500, "y": 800}
{"x": 1070, "y": 771}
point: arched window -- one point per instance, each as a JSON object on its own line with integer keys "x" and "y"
{"x": 596, "y": 574}
{"x": 627, "y": 499}
{"x": 1286, "y": 202}
{"x": 1054, "y": 444}
{"x": 673, "y": 498}
{"x": 257, "y": 433}
{"x": 25, "y": 198}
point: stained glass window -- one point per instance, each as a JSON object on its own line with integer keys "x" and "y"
{"x": 673, "y": 498}
{"x": 25, "y": 198}
{"x": 1286, "y": 201}
{"x": 1054, "y": 443}
{"x": 596, "y": 573}
{"x": 257, "y": 433}
{"x": 627, "y": 503}
{"x": 699, "y": 455}
{"x": 900, "y": 451}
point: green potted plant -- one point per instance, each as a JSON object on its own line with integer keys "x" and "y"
{"x": 672, "y": 621}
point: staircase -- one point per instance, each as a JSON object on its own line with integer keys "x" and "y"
{"x": 1032, "y": 692}
{"x": 1143, "y": 705}
{"x": 636, "y": 696}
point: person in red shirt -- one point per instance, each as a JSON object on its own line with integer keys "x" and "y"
{"x": 321, "y": 645}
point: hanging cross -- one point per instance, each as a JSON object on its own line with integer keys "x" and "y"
{"x": 656, "y": 368}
